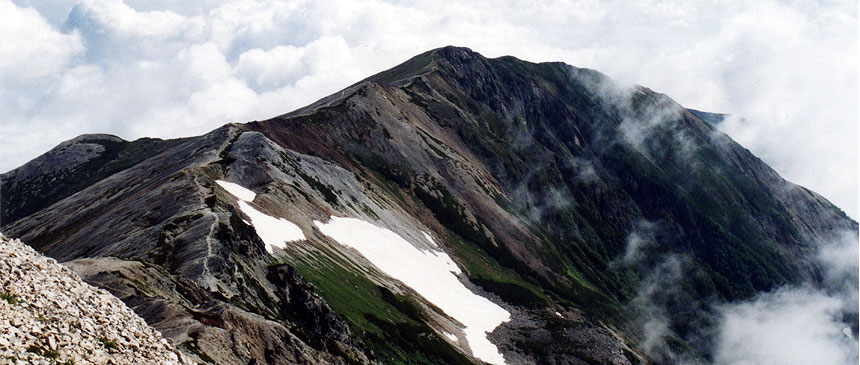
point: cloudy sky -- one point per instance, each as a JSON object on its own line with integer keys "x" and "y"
{"x": 169, "y": 68}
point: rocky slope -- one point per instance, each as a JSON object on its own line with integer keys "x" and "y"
{"x": 543, "y": 191}
{"x": 49, "y": 315}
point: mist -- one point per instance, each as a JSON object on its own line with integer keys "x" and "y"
{"x": 788, "y": 326}
{"x": 798, "y": 325}
{"x": 809, "y": 323}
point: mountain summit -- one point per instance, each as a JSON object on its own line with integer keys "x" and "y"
{"x": 453, "y": 209}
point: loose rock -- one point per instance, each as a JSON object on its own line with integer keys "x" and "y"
{"x": 49, "y": 315}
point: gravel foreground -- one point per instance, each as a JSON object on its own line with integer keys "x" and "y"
{"x": 48, "y": 315}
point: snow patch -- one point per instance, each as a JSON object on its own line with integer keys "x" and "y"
{"x": 431, "y": 273}
{"x": 275, "y": 232}
{"x": 429, "y": 238}
{"x": 237, "y": 190}
{"x": 450, "y": 336}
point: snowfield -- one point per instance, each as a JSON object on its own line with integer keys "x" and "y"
{"x": 431, "y": 273}
{"x": 275, "y": 232}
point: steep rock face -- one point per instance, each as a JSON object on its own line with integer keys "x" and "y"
{"x": 553, "y": 190}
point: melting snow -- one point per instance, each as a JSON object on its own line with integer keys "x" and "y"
{"x": 273, "y": 231}
{"x": 431, "y": 273}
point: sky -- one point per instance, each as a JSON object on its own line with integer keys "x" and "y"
{"x": 786, "y": 70}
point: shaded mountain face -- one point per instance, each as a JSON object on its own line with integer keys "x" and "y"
{"x": 553, "y": 194}
{"x": 70, "y": 167}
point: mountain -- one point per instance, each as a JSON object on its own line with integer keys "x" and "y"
{"x": 399, "y": 219}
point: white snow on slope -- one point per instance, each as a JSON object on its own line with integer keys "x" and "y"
{"x": 237, "y": 190}
{"x": 430, "y": 273}
{"x": 429, "y": 238}
{"x": 273, "y": 231}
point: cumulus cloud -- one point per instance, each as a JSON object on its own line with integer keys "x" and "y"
{"x": 787, "y": 67}
{"x": 31, "y": 47}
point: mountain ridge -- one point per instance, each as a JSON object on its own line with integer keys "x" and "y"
{"x": 539, "y": 180}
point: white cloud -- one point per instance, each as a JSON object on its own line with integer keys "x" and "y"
{"x": 114, "y": 16}
{"x": 31, "y": 47}
{"x": 789, "y": 326}
{"x": 810, "y": 323}
{"x": 788, "y": 67}
{"x": 266, "y": 70}
{"x": 798, "y": 325}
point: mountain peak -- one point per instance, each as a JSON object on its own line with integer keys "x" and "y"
{"x": 455, "y": 53}
{"x": 90, "y": 137}
{"x": 426, "y": 62}
{"x": 553, "y": 191}
{"x": 66, "y": 155}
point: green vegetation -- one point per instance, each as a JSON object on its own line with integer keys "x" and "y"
{"x": 9, "y": 298}
{"x": 435, "y": 149}
{"x": 392, "y": 325}
{"x": 167, "y": 243}
{"x": 110, "y": 345}
{"x": 51, "y": 354}
{"x": 453, "y": 216}
{"x": 326, "y": 190}
{"x": 486, "y": 272}
{"x": 42, "y": 351}
{"x": 394, "y": 172}
{"x": 329, "y": 195}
